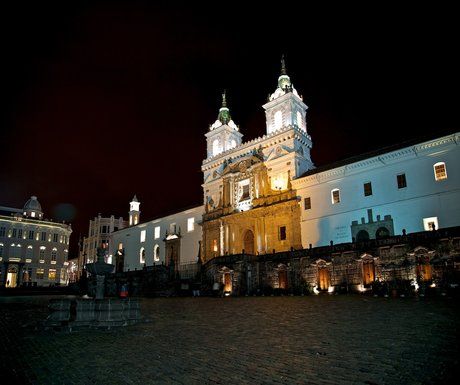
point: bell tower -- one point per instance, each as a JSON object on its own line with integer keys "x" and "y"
{"x": 223, "y": 134}
{"x": 134, "y": 212}
{"x": 285, "y": 107}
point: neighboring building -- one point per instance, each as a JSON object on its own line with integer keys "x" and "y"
{"x": 99, "y": 232}
{"x": 33, "y": 250}
{"x": 173, "y": 240}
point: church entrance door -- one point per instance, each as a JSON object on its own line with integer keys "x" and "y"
{"x": 248, "y": 242}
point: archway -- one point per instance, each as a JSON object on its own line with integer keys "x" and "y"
{"x": 362, "y": 235}
{"x": 382, "y": 232}
{"x": 12, "y": 276}
{"x": 282, "y": 278}
{"x": 248, "y": 242}
{"x": 324, "y": 278}
{"x": 227, "y": 283}
{"x": 368, "y": 271}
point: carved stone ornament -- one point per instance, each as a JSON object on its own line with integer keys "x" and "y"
{"x": 243, "y": 166}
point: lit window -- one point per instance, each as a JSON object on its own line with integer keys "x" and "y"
{"x": 52, "y": 274}
{"x": 40, "y": 273}
{"x": 156, "y": 253}
{"x": 440, "y": 172}
{"x": 142, "y": 255}
{"x": 307, "y": 203}
{"x": 157, "y": 232}
{"x": 32, "y": 214}
{"x": 282, "y": 233}
{"x": 299, "y": 120}
{"x": 335, "y": 196}
{"x": 215, "y": 147}
{"x": 143, "y": 235}
{"x": 278, "y": 120}
{"x": 367, "y": 189}
{"x": 190, "y": 224}
{"x": 214, "y": 245}
{"x": 430, "y": 224}
{"x": 120, "y": 246}
{"x": 401, "y": 179}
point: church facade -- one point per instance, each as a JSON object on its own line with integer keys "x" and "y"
{"x": 266, "y": 196}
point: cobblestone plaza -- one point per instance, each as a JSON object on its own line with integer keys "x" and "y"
{"x": 326, "y": 339}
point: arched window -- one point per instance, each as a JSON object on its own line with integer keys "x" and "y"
{"x": 440, "y": 172}
{"x": 299, "y": 120}
{"x": 156, "y": 253}
{"x": 42, "y": 253}
{"x": 278, "y": 120}
{"x": 53, "y": 255}
{"x": 215, "y": 147}
{"x": 142, "y": 255}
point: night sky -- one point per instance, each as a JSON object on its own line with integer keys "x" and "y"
{"x": 101, "y": 101}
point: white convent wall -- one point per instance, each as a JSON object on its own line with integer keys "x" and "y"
{"x": 130, "y": 238}
{"x": 423, "y": 197}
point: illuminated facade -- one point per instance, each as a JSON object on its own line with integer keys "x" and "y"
{"x": 265, "y": 195}
{"x": 99, "y": 232}
{"x": 33, "y": 250}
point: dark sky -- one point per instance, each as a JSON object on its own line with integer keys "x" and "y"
{"x": 103, "y": 100}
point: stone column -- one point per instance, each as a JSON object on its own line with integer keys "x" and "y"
{"x": 100, "y": 286}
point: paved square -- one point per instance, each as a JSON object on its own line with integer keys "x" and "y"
{"x": 251, "y": 340}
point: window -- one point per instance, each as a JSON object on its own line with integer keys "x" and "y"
{"x": 157, "y": 232}
{"x": 430, "y": 224}
{"x": 2, "y": 231}
{"x": 120, "y": 246}
{"x": 1, "y": 250}
{"x": 40, "y": 273}
{"x": 42, "y": 253}
{"x": 14, "y": 233}
{"x": 215, "y": 147}
{"x": 29, "y": 252}
{"x": 307, "y": 203}
{"x": 55, "y": 237}
{"x": 190, "y": 224}
{"x": 335, "y": 196}
{"x": 282, "y": 233}
{"x": 401, "y": 178}
{"x": 244, "y": 190}
{"x": 31, "y": 234}
{"x": 299, "y": 120}
{"x": 53, "y": 255}
{"x": 156, "y": 253}
{"x": 367, "y": 189}
{"x": 20, "y": 233}
{"x": 52, "y": 274}
{"x": 214, "y": 245}
{"x": 143, "y": 235}
{"x": 278, "y": 120}
{"x": 440, "y": 172}
{"x": 43, "y": 236}
{"x": 142, "y": 255}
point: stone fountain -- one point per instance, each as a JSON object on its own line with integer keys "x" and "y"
{"x": 100, "y": 268}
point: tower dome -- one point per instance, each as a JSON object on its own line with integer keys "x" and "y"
{"x": 33, "y": 208}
